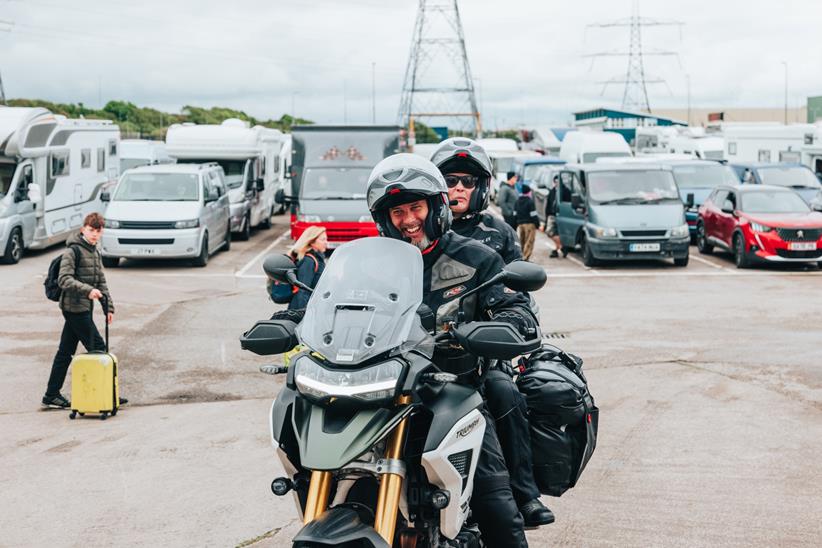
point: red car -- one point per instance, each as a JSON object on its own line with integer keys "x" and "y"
{"x": 759, "y": 223}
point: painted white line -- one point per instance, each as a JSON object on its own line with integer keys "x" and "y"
{"x": 665, "y": 274}
{"x": 260, "y": 255}
{"x": 709, "y": 263}
{"x": 579, "y": 263}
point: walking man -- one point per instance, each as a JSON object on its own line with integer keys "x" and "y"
{"x": 527, "y": 221}
{"x": 507, "y": 199}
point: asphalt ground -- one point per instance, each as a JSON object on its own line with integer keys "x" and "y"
{"x": 709, "y": 381}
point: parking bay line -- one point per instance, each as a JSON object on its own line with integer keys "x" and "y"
{"x": 667, "y": 274}
{"x": 261, "y": 254}
{"x": 710, "y": 263}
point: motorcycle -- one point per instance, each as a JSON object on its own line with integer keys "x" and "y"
{"x": 380, "y": 447}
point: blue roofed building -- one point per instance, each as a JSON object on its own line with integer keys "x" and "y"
{"x": 623, "y": 122}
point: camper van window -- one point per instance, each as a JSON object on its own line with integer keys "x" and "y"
{"x": 112, "y": 147}
{"x": 6, "y": 174}
{"x": 764, "y": 156}
{"x": 731, "y": 149}
{"x": 59, "y": 164}
{"x": 85, "y": 158}
{"x": 591, "y": 157}
{"x": 335, "y": 183}
{"x": 789, "y": 156}
{"x": 157, "y": 187}
{"x": 793, "y": 176}
{"x": 101, "y": 160}
{"x": 632, "y": 187}
{"x": 704, "y": 176}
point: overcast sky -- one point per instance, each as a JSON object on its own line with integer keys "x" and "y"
{"x": 315, "y": 56}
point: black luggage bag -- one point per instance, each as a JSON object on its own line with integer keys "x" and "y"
{"x": 562, "y": 416}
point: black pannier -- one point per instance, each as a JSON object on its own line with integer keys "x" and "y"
{"x": 562, "y": 417}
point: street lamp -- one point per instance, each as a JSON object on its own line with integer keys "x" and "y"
{"x": 785, "y": 63}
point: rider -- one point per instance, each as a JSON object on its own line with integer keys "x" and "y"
{"x": 408, "y": 199}
{"x": 467, "y": 170}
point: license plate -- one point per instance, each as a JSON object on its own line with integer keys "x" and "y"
{"x": 145, "y": 251}
{"x": 802, "y": 246}
{"x": 638, "y": 248}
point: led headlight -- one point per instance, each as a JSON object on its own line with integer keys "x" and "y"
{"x": 373, "y": 383}
{"x": 309, "y": 218}
{"x": 679, "y": 231}
{"x": 601, "y": 231}
{"x": 111, "y": 223}
{"x": 760, "y": 228}
{"x": 193, "y": 223}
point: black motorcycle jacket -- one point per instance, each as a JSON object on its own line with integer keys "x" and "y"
{"x": 453, "y": 265}
{"x": 491, "y": 231}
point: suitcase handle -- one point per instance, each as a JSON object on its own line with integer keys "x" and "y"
{"x": 104, "y": 304}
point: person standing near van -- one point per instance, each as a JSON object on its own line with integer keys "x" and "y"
{"x": 527, "y": 221}
{"x": 309, "y": 254}
{"x": 551, "y": 219}
{"x": 82, "y": 281}
{"x": 507, "y": 199}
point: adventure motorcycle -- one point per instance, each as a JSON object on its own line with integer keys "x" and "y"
{"x": 379, "y": 445}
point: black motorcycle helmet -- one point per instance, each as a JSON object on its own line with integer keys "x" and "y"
{"x": 463, "y": 155}
{"x": 404, "y": 178}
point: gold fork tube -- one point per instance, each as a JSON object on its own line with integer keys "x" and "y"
{"x": 388, "y": 500}
{"x": 318, "y": 490}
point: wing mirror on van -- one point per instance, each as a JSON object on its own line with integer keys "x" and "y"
{"x": 281, "y": 198}
{"x": 105, "y": 196}
{"x": 260, "y": 184}
{"x": 34, "y": 194}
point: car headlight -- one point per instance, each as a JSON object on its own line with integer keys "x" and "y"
{"x": 370, "y": 384}
{"x": 309, "y": 218}
{"x": 602, "y": 232}
{"x": 760, "y": 228}
{"x": 111, "y": 223}
{"x": 193, "y": 223}
{"x": 366, "y": 219}
{"x": 679, "y": 231}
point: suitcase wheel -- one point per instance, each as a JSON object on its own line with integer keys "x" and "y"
{"x": 104, "y": 416}
{"x": 73, "y": 415}
{"x": 82, "y": 414}
{"x": 113, "y": 412}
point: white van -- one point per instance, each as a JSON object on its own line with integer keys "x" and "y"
{"x": 167, "y": 212}
{"x": 52, "y": 171}
{"x": 142, "y": 152}
{"x": 766, "y": 142}
{"x": 250, "y": 157}
{"x": 584, "y": 147}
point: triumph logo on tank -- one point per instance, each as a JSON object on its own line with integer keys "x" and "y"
{"x": 453, "y": 292}
{"x": 467, "y": 430}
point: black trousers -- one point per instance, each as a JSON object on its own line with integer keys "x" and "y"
{"x": 79, "y": 327}
{"x": 492, "y": 503}
{"x": 511, "y": 220}
{"x": 510, "y": 413}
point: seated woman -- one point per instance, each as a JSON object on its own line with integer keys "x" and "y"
{"x": 309, "y": 254}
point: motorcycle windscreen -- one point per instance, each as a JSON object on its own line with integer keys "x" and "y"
{"x": 365, "y": 302}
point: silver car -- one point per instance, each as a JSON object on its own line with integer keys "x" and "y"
{"x": 167, "y": 212}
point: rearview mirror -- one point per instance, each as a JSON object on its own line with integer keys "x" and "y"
{"x": 279, "y": 196}
{"x": 523, "y": 276}
{"x": 495, "y": 340}
{"x": 260, "y": 184}
{"x": 105, "y": 197}
{"x": 278, "y": 267}
{"x": 269, "y": 337}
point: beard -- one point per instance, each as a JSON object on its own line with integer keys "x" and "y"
{"x": 423, "y": 243}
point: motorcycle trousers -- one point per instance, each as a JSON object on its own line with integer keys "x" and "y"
{"x": 492, "y": 503}
{"x": 507, "y": 405}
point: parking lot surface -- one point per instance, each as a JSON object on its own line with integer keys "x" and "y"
{"x": 709, "y": 381}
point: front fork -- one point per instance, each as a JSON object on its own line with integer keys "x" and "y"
{"x": 388, "y": 499}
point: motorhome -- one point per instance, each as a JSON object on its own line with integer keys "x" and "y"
{"x": 544, "y": 140}
{"x": 584, "y": 147}
{"x": 52, "y": 170}
{"x": 250, "y": 158}
{"x": 812, "y": 151}
{"x": 706, "y": 147}
{"x": 142, "y": 152}
{"x": 329, "y": 176}
{"x": 766, "y": 143}
{"x": 689, "y": 141}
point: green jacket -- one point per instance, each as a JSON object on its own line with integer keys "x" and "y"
{"x": 77, "y": 280}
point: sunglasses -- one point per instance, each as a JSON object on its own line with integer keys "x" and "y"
{"x": 468, "y": 181}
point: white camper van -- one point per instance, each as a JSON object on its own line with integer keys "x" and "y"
{"x": 765, "y": 143}
{"x": 584, "y": 147}
{"x": 250, "y": 158}
{"x": 52, "y": 170}
{"x": 812, "y": 150}
{"x": 142, "y": 152}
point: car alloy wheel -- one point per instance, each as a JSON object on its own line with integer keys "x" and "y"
{"x": 740, "y": 255}
{"x": 702, "y": 241}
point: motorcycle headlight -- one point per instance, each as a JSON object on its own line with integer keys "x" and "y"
{"x": 602, "y": 232}
{"x": 309, "y": 218}
{"x": 760, "y": 228}
{"x": 370, "y": 384}
{"x": 679, "y": 231}
{"x": 111, "y": 223}
{"x": 193, "y": 223}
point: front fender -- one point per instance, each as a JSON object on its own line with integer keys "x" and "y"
{"x": 339, "y": 526}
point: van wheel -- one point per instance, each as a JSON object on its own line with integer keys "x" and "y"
{"x": 266, "y": 224}
{"x": 227, "y": 244}
{"x": 588, "y": 258}
{"x": 702, "y": 241}
{"x": 111, "y": 262}
{"x": 202, "y": 259}
{"x": 245, "y": 231}
{"x": 14, "y": 247}
{"x": 681, "y": 262}
{"x": 740, "y": 255}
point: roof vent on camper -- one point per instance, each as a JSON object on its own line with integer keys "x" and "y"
{"x": 235, "y": 122}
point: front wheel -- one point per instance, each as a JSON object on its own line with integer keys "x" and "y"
{"x": 702, "y": 240}
{"x": 14, "y": 247}
{"x": 202, "y": 258}
{"x": 588, "y": 258}
{"x": 681, "y": 262}
{"x": 245, "y": 232}
{"x": 740, "y": 255}
{"x": 111, "y": 262}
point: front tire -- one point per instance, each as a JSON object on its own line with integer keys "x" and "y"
{"x": 202, "y": 258}
{"x": 740, "y": 255}
{"x": 266, "y": 224}
{"x": 14, "y": 247}
{"x": 681, "y": 262}
{"x": 227, "y": 244}
{"x": 702, "y": 240}
{"x": 245, "y": 232}
{"x": 111, "y": 262}
{"x": 588, "y": 258}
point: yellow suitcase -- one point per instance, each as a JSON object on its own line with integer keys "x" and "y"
{"x": 94, "y": 386}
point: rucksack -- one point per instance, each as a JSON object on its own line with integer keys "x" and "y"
{"x": 53, "y": 291}
{"x": 562, "y": 418}
{"x": 281, "y": 293}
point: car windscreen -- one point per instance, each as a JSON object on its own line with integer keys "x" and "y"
{"x": 591, "y": 157}
{"x": 6, "y": 175}
{"x": 791, "y": 176}
{"x": 503, "y": 165}
{"x": 334, "y": 183}
{"x": 631, "y": 186}
{"x": 128, "y": 163}
{"x": 234, "y": 170}
{"x": 773, "y": 201}
{"x": 704, "y": 176}
{"x": 532, "y": 171}
{"x": 157, "y": 187}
